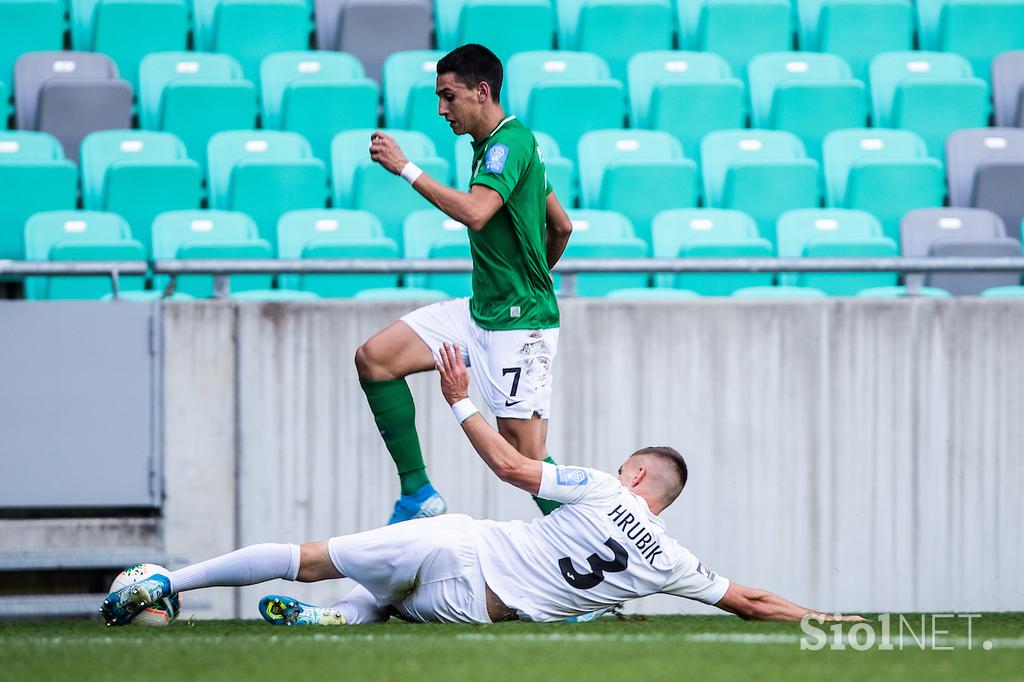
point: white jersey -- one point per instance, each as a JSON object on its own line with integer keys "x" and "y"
{"x": 601, "y": 548}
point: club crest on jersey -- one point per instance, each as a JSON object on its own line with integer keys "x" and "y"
{"x": 496, "y": 157}
{"x": 572, "y": 476}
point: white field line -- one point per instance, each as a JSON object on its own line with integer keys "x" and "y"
{"x": 905, "y": 643}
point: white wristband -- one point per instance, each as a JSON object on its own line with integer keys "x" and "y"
{"x": 464, "y": 409}
{"x": 411, "y": 172}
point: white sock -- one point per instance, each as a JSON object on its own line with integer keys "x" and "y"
{"x": 359, "y": 607}
{"x": 246, "y": 566}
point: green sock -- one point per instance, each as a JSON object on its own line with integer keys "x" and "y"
{"x": 395, "y": 414}
{"x": 546, "y": 506}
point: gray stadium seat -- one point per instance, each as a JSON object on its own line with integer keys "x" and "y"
{"x": 1008, "y": 88}
{"x": 985, "y": 169}
{"x": 920, "y": 230}
{"x": 70, "y": 94}
{"x": 354, "y": 26}
{"x": 973, "y": 283}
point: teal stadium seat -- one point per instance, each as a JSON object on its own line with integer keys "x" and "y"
{"x": 317, "y": 94}
{"x": 79, "y": 235}
{"x": 615, "y": 29}
{"x": 977, "y": 29}
{"x": 147, "y": 296}
{"x": 781, "y": 291}
{"x": 34, "y": 177}
{"x": 547, "y": 91}
{"x": 401, "y": 294}
{"x": 211, "y": 235}
{"x": 637, "y": 173}
{"x": 807, "y": 94}
{"x": 930, "y": 93}
{"x": 265, "y": 173}
{"x": 410, "y": 99}
{"x": 761, "y": 172}
{"x": 276, "y": 295}
{"x": 195, "y": 95}
{"x": 138, "y": 174}
{"x": 28, "y": 26}
{"x": 735, "y": 29}
{"x": 360, "y": 183}
{"x": 431, "y": 234}
{"x": 603, "y": 234}
{"x": 834, "y": 233}
{"x": 687, "y": 94}
{"x": 128, "y": 30}
{"x": 885, "y": 172}
{"x": 709, "y": 233}
{"x": 504, "y": 26}
{"x": 856, "y": 30}
{"x": 334, "y": 233}
{"x": 649, "y": 294}
{"x": 249, "y": 30}
{"x": 561, "y": 171}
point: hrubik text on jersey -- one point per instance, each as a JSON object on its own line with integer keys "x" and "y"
{"x": 636, "y": 532}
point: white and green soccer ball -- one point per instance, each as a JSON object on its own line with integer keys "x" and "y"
{"x": 163, "y": 612}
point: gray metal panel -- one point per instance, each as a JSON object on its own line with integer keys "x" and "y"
{"x": 81, "y": 559}
{"x": 77, "y": 415}
{"x": 50, "y": 606}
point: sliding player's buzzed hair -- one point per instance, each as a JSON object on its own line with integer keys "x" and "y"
{"x": 676, "y": 463}
{"x": 473, "y": 64}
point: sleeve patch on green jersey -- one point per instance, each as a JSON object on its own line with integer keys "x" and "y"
{"x": 496, "y": 157}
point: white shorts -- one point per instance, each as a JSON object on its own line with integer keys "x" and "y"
{"x": 427, "y": 570}
{"x": 511, "y": 368}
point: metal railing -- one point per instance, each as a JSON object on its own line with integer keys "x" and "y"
{"x": 568, "y": 269}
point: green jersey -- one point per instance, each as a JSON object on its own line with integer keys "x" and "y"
{"x": 512, "y": 288}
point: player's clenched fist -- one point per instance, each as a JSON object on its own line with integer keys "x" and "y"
{"x": 385, "y": 151}
{"x": 454, "y": 377}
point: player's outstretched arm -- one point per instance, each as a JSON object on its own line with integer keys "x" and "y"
{"x": 473, "y": 209}
{"x": 559, "y": 227}
{"x": 504, "y": 460}
{"x": 753, "y": 604}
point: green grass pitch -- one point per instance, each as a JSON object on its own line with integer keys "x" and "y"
{"x": 655, "y": 648}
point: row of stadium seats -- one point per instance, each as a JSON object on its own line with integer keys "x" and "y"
{"x": 318, "y": 94}
{"x": 695, "y": 233}
{"x": 139, "y": 174}
{"x": 249, "y": 29}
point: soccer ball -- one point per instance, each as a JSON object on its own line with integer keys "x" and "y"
{"x": 162, "y": 613}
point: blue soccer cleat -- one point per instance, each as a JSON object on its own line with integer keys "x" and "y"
{"x": 280, "y": 610}
{"x": 423, "y": 503}
{"x": 120, "y": 607}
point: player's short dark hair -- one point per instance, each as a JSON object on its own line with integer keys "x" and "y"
{"x": 672, "y": 457}
{"x": 473, "y": 64}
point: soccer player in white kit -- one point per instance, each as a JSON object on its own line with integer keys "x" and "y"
{"x": 604, "y": 546}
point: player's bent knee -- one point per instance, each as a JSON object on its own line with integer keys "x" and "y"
{"x": 315, "y": 563}
{"x": 367, "y": 367}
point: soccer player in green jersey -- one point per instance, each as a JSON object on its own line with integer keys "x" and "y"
{"x": 508, "y": 330}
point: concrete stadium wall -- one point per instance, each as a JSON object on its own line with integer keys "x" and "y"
{"x": 848, "y": 454}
